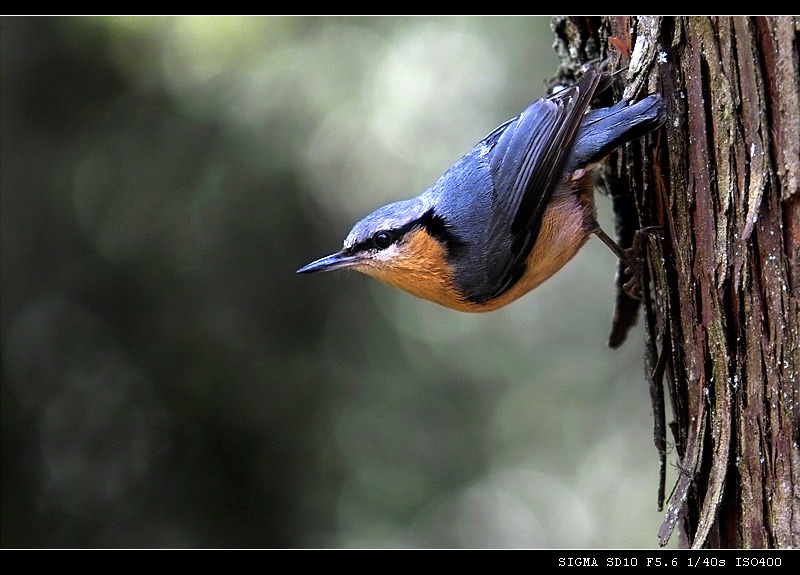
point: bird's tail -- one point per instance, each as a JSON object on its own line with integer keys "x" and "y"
{"x": 606, "y": 129}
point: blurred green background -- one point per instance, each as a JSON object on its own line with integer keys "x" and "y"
{"x": 169, "y": 381}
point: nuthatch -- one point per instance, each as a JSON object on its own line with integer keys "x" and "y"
{"x": 507, "y": 215}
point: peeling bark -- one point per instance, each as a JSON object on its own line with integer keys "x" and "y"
{"x": 722, "y": 306}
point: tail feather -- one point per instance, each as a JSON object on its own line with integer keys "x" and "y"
{"x": 606, "y": 129}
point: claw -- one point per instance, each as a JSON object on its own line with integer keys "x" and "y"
{"x": 632, "y": 257}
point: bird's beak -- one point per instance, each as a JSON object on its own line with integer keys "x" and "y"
{"x": 337, "y": 261}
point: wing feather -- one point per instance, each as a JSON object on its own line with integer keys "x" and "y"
{"x": 527, "y": 164}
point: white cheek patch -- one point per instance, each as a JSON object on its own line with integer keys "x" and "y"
{"x": 387, "y": 255}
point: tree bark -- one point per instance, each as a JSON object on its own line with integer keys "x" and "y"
{"x": 721, "y": 301}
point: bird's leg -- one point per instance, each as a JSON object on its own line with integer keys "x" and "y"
{"x": 631, "y": 257}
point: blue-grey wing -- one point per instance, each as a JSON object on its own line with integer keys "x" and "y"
{"x": 528, "y": 158}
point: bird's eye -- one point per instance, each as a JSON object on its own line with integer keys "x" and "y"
{"x": 383, "y": 240}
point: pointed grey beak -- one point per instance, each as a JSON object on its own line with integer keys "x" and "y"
{"x": 329, "y": 263}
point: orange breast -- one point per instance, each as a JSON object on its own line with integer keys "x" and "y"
{"x": 420, "y": 266}
{"x": 421, "y": 270}
{"x": 566, "y": 226}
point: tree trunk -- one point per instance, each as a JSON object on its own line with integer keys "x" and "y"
{"x": 720, "y": 298}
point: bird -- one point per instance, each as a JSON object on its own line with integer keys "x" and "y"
{"x": 507, "y": 215}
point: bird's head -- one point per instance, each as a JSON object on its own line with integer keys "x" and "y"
{"x": 405, "y": 244}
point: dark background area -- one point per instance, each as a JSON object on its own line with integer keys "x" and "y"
{"x": 169, "y": 381}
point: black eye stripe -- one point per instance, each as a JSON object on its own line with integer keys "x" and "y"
{"x": 383, "y": 239}
{"x": 434, "y": 225}
{"x": 378, "y": 241}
